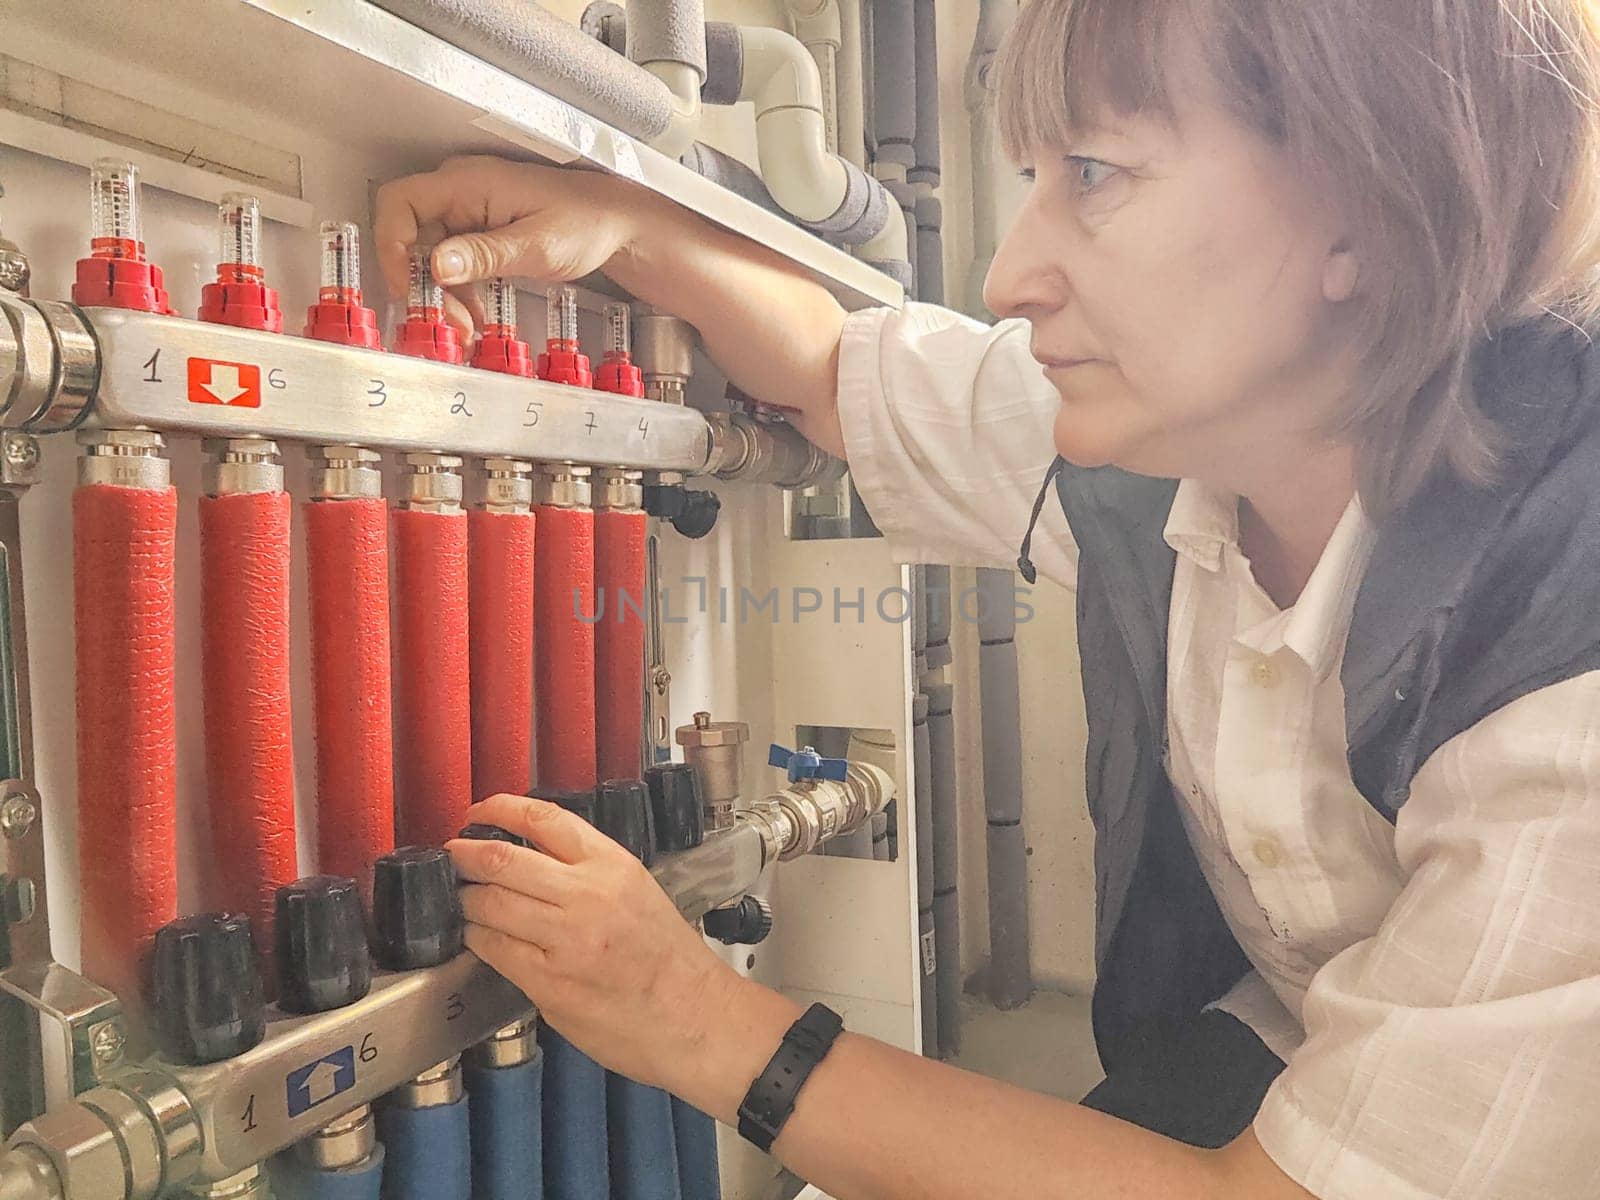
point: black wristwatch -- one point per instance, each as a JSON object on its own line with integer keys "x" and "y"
{"x": 770, "y": 1101}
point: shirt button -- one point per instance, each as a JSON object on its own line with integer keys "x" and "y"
{"x": 1267, "y": 852}
{"x": 1264, "y": 674}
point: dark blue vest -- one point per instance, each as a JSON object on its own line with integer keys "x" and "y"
{"x": 1474, "y": 596}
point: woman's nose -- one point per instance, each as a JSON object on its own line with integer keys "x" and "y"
{"x": 1025, "y": 278}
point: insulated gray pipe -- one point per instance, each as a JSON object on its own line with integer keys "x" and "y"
{"x": 946, "y": 904}
{"x": 926, "y": 937}
{"x": 925, "y": 140}
{"x": 1010, "y": 966}
{"x": 724, "y": 64}
{"x": 930, "y": 250}
{"x": 667, "y": 32}
{"x": 937, "y": 608}
{"x": 894, "y": 73}
{"x": 905, "y": 273}
{"x": 524, "y": 40}
{"x": 732, "y": 174}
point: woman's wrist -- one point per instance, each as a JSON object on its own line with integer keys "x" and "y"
{"x": 735, "y": 1031}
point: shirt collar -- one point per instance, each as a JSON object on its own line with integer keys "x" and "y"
{"x": 1202, "y": 523}
{"x": 1203, "y": 527}
{"x": 1319, "y": 622}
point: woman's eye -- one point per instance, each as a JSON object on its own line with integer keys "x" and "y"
{"x": 1026, "y": 173}
{"x": 1090, "y": 173}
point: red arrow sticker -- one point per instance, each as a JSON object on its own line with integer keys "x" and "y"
{"x": 211, "y": 381}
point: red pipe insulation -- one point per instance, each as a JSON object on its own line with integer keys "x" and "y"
{"x": 500, "y": 550}
{"x": 347, "y": 552}
{"x": 433, "y": 714}
{"x": 619, "y": 576}
{"x": 244, "y": 602}
{"x": 564, "y": 658}
{"x": 123, "y": 599}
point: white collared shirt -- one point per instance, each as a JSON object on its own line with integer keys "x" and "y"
{"x": 1434, "y": 985}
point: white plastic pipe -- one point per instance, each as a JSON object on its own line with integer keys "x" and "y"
{"x": 683, "y": 82}
{"x": 891, "y": 244}
{"x": 782, "y": 81}
{"x": 817, "y": 26}
{"x": 852, "y": 99}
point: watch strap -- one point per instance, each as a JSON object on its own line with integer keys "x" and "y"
{"x": 771, "y": 1099}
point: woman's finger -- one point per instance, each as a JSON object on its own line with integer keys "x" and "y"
{"x": 515, "y": 867}
{"x": 408, "y": 208}
{"x": 520, "y": 962}
{"x": 524, "y": 917}
{"x": 560, "y": 834}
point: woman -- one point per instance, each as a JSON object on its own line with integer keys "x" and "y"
{"x": 1301, "y": 289}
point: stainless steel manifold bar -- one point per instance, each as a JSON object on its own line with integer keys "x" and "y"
{"x": 64, "y": 368}
{"x": 160, "y": 1126}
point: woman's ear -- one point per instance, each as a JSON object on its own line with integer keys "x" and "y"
{"x": 1340, "y": 274}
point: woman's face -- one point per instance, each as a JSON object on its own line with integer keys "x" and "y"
{"x": 1185, "y": 291}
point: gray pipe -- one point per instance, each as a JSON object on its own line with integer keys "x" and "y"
{"x": 862, "y": 213}
{"x": 946, "y": 904}
{"x": 905, "y": 273}
{"x": 930, "y": 250}
{"x": 524, "y": 40}
{"x": 732, "y": 174}
{"x": 994, "y": 19}
{"x": 1010, "y": 966}
{"x": 661, "y": 32}
{"x": 894, "y": 73}
{"x": 927, "y": 939}
{"x": 724, "y": 63}
{"x": 607, "y": 22}
{"x": 937, "y": 607}
{"x": 925, "y": 140}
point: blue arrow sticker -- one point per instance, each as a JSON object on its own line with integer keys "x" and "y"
{"x": 321, "y": 1080}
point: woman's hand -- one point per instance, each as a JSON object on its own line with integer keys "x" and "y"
{"x": 580, "y": 926}
{"x": 772, "y": 329}
{"x": 492, "y": 217}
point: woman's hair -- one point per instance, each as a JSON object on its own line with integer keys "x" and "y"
{"x": 1460, "y": 139}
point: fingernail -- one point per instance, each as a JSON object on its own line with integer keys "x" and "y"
{"x": 450, "y": 266}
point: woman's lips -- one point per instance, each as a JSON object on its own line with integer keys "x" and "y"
{"x": 1060, "y": 362}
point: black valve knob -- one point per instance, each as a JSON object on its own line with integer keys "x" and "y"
{"x": 699, "y": 515}
{"x": 416, "y": 913}
{"x": 746, "y": 923}
{"x": 322, "y": 944}
{"x": 477, "y": 832}
{"x": 675, "y": 806}
{"x": 691, "y": 513}
{"x": 206, "y": 988}
{"x": 581, "y": 803}
{"x": 622, "y": 813}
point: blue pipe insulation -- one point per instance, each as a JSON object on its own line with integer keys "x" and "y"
{"x": 507, "y": 1130}
{"x": 575, "y": 1155}
{"x": 696, "y": 1133}
{"x": 429, "y": 1151}
{"x": 643, "y": 1141}
{"x": 295, "y": 1180}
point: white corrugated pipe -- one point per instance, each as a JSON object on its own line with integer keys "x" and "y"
{"x": 818, "y": 188}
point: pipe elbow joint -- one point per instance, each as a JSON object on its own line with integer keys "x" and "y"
{"x": 816, "y": 22}
{"x": 683, "y": 123}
